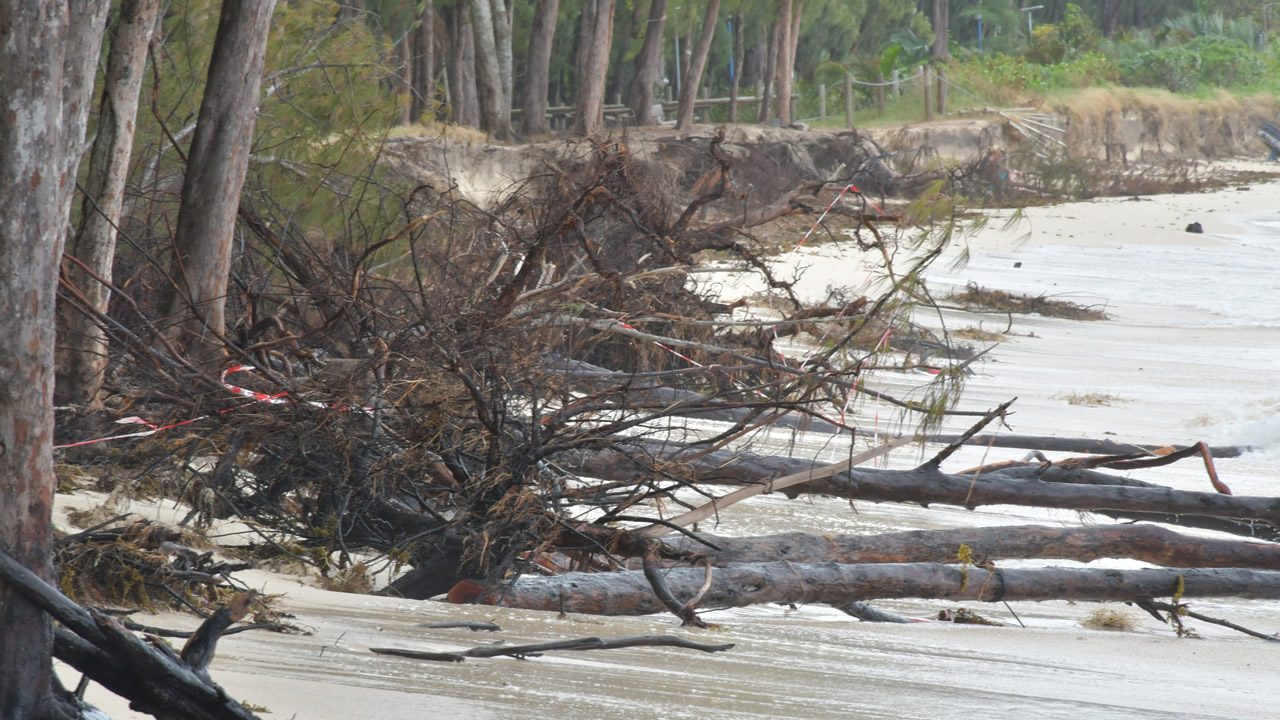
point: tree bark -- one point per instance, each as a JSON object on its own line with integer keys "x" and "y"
{"x": 82, "y": 343}
{"x": 648, "y": 64}
{"x": 495, "y": 109}
{"x": 770, "y": 75}
{"x": 697, "y": 64}
{"x": 533, "y": 115}
{"x": 48, "y": 54}
{"x": 502, "y": 38}
{"x": 591, "y": 82}
{"x": 215, "y": 173}
{"x": 735, "y": 83}
{"x": 1148, "y": 543}
{"x": 424, "y": 63}
{"x": 740, "y": 585}
{"x": 941, "y": 19}
{"x": 462, "y": 69}
{"x": 783, "y": 81}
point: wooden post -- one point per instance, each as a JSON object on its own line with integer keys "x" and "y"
{"x": 848, "y": 101}
{"x": 879, "y": 92}
{"x": 942, "y": 93}
{"x": 897, "y": 86}
{"x": 822, "y": 101}
{"x": 928, "y": 93}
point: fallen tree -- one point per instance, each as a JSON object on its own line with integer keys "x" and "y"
{"x": 740, "y": 585}
{"x": 1148, "y": 543}
{"x": 1069, "y": 488}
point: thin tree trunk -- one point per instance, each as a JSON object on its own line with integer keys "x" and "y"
{"x": 48, "y": 54}
{"x": 533, "y": 116}
{"x": 770, "y": 74}
{"x": 502, "y": 38}
{"x": 648, "y": 64}
{"x": 462, "y": 69}
{"x": 82, "y": 343}
{"x": 741, "y": 585}
{"x": 406, "y": 80}
{"x": 216, "y": 168}
{"x": 424, "y": 63}
{"x": 739, "y": 59}
{"x": 941, "y": 20}
{"x": 495, "y": 109}
{"x": 592, "y": 79}
{"x": 697, "y": 64}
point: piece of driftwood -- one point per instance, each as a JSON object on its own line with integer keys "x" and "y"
{"x": 472, "y": 626}
{"x": 740, "y": 585}
{"x": 535, "y": 649}
{"x": 1149, "y": 543}
{"x": 197, "y": 653}
{"x": 925, "y": 485}
{"x": 99, "y": 646}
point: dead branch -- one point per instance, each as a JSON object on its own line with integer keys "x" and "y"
{"x": 536, "y": 649}
{"x": 151, "y": 680}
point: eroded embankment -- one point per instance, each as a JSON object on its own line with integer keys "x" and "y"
{"x": 1115, "y": 125}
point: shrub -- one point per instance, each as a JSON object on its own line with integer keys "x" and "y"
{"x": 1216, "y": 61}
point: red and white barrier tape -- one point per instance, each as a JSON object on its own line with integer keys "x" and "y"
{"x": 276, "y": 399}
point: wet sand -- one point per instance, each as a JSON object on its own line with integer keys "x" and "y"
{"x": 1188, "y": 355}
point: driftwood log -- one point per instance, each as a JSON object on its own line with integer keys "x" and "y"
{"x": 740, "y": 585}
{"x": 1054, "y": 486}
{"x": 1148, "y": 543}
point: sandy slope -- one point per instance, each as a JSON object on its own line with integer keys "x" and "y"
{"x": 1190, "y": 353}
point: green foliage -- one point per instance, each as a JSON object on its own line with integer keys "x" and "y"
{"x": 1209, "y": 60}
{"x": 327, "y": 100}
{"x": 1075, "y": 35}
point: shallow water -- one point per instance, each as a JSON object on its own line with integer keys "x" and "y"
{"x": 1189, "y": 354}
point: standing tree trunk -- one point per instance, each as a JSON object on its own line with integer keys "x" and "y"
{"x": 216, "y": 167}
{"x": 698, "y": 63}
{"x": 1110, "y": 13}
{"x": 495, "y": 110}
{"x": 462, "y": 69}
{"x": 82, "y": 344}
{"x": 48, "y": 54}
{"x": 790, "y": 22}
{"x": 405, "y": 101}
{"x": 502, "y": 38}
{"x": 533, "y": 115}
{"x": 595, "y": 68}
{"x": 735, "y": 83}
{"x": 783, "y": 82}
{"x": 648, "y": 63}
{"x": 770, "y": 72}
{"x": 424, "y": 63}
{"x": 941, "y": 23}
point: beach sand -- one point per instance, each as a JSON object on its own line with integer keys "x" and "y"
{"x": 1189, "y": 354}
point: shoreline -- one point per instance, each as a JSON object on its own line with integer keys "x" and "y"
{"x": 814, "y": 662}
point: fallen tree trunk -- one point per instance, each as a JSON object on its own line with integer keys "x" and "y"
{"x": 95, "y": 644}
{"x": 740, "y": 585}
{"x": 926, "y": 485}
{"x": 1148, "y": 543}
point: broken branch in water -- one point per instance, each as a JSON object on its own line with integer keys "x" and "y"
{"x": 1179, "y": 609}
{"x": 535, "y": 649}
